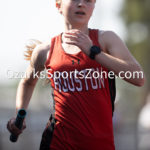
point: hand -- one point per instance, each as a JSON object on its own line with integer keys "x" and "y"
{"x": 13, "y": 129}
{"x": 78, "y": 38}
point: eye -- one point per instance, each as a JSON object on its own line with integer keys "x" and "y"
{"x": 89, "y": 1}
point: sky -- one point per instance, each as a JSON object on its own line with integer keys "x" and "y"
{"x": 22, "y": 20}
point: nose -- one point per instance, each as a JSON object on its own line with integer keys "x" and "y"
{"x": 80, "y": 3}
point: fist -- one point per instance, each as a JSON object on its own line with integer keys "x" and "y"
{"x": 78, "y": 38}
{"x": 13, "y": 129}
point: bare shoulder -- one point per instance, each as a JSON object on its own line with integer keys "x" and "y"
{"x": 109, "y": 38}
{"x": 108, "y": 34}
{"x": 39, "y": 56}
{"x": 114, "y": 45}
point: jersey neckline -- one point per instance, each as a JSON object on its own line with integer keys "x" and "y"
{"x": 74, "y": 54}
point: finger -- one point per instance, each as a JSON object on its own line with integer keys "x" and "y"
{"x": 79, "y": 35}
{"x": 84, "y": 36}
{"x": 74, "y": 32}
{"x": 24, "y": 126}
{"x": 70, "y": 35}
{"x": 8, "y": 126}
{"x": 15, "y": 130}
{"x": 12, "y": 128}
{"x": 72, "y": 43}
{"x": 71, "y": 38}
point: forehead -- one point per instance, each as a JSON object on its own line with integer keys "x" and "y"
{"x": 58, "y": 1}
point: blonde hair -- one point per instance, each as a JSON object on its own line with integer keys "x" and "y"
{"x": 30, "y": 46}
{"x": 58, "y": 2}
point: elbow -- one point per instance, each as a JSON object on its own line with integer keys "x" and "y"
{"x": 141, "y": 82}
{"x": 28, "y": 82}
{"x": 138, "y": 81}
{"x": 139, "y": 78}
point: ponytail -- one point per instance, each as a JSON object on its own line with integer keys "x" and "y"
{"x": 30, "y": 46}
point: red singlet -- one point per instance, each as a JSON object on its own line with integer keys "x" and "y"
{"x": 81, "y": 100}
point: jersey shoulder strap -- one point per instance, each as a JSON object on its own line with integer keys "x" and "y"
{"x": 112, "y": 82}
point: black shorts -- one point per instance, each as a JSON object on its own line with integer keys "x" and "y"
{"x": 47, "y": 134}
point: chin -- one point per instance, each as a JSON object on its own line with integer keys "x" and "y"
{"x": 79, "y": 22}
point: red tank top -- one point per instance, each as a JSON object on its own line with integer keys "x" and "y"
{"x": 81, "y": 96}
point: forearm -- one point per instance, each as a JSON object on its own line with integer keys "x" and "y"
{"x": 26, "y": 86}
{"x": 24, "y": 93}
{"x": 115, "y": 55}
{"x": 121, "y": 66}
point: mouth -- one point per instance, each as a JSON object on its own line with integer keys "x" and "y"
{"x": 80, "y": 13}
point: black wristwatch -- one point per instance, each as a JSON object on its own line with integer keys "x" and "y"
{"x": 94, "y": 50}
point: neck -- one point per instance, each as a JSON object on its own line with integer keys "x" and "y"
{"x": 83, "y": 28}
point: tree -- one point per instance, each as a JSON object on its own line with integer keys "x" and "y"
{"x": 136, "y": 15}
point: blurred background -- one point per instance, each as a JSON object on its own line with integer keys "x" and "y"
{"x": 37, "y": 19}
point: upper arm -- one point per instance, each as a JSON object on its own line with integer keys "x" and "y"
{"x": 39, "y": 57}
{"x": 37, "y": 63}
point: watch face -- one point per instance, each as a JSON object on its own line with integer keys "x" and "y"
{"x": 95, "y": 49}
